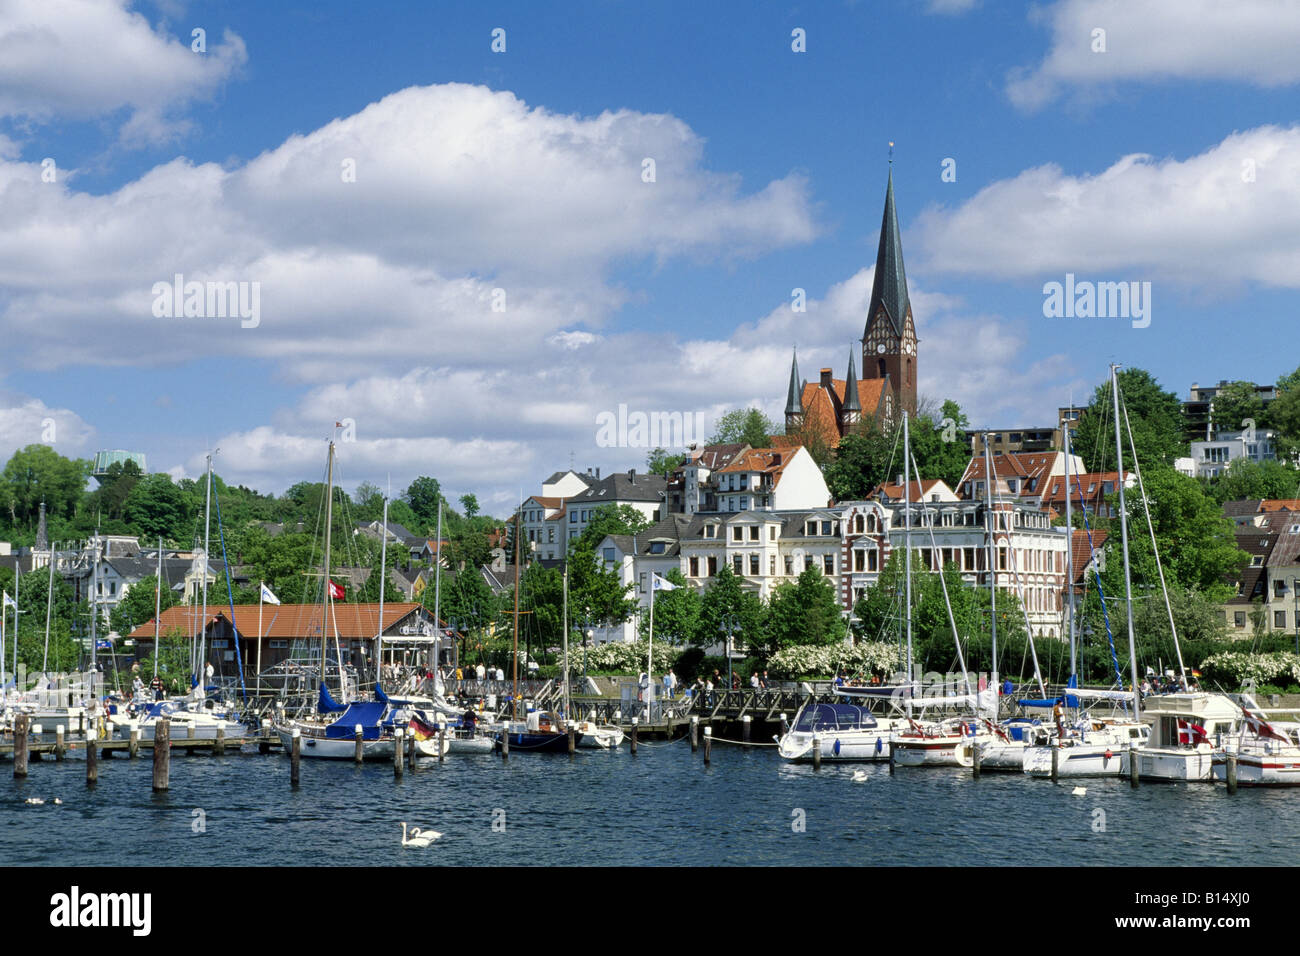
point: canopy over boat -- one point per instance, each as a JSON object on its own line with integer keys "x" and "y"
{"x": 367, "y": 713}
{"x": 327, "y": 704}
{"x": 834, "y": 718}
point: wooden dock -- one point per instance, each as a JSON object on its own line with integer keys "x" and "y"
{"x": 46, "y": 746}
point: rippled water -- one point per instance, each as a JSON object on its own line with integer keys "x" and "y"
{"x": 661, "y": 807}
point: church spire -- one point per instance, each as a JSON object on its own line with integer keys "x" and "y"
{"x": 852, "y": 407}
{"x": 794, "y": 398}
{"x": 889, "y": 286}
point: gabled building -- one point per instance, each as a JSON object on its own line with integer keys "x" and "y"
{"x": 929, "y": 489}
{"x": 772, "y": 479}
{"x": 1091, "y": 489}
{"x": 688, "y": 489}
{"x": 1026, "y": 474}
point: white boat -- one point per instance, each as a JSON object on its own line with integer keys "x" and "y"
{"x": 950, "y": 744}
{"x": 1011, "y": 740}
{"x": 598, "y": 736}
{"x": 1099, "y": 750}
{"x": 1188, "y": 731}
{"x": 1268, "y": 755}
{"x": 847, "y": 732}
{"x": 184, "y": 723}
{"x": 316, "y": 743}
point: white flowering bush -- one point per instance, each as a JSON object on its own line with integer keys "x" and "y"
{"x": 809, "y": 660}
{"x": 1235, "y": 668}
{"x": 625, "y": 658}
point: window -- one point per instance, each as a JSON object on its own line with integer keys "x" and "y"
{"x": 744, "y": 503}
{"x": 609, "y": 555}
{"x": 737, "y": 533}
{"x": 771, "y": 532}
{"x": 810, "y": 528}
{"x": 573, "y": 517}
{"x": 859, "y": 524}
{"x": 550, "y": 535}
{"x": 1279, "y": 588}
{"x": 828, "y": 564}
{"x": 642, "y": 587}
{"x": 738, "y": 564}
{"x": 753, "y": 565}
{"x": 1279, "y": 619}
{"x": 657, "y": 547}
{"x": 713, "y": 565}
{"x": 771, "y": 565}
{"x": 710, "y": 531}
{"x": 695, "y": 567}
{"x": 968, "y": 559}
{"x": 753, "y": 533}
{"x": 826, "y": 528}
{"x": 1239, "y": 618}
{"x": 859, "y": 560}
{"x": 279, "y": 645}
{"x": 789, "y": 565}
{"x": 873, "y": 562}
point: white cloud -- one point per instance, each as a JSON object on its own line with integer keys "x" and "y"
{"x": 83, "y": 59}
{"x": 1192, "y": 222}
{"x": 29, "y": 421}
{"x": 1248, "y": 41}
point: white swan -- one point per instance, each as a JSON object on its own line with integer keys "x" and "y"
{"x": 859, "y": 775}
{"x": 1079, "y": 791}
{"x": 418, "y": 837}
{"x": 34, "y": 801}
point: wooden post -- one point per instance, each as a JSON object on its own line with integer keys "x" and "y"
{"x": 58, "y": 742}
{"x": 1132, "y": 766}
{"x": 162, "y": 753}
{"x": 219, "y": 748}
{"x": 92, "y": 762}
{"x": 38, "y": 732}
{"x": 744, "y": 729}
{"x": 572, "y": 745}
{"x": 785, "y": 725}
{"x": 817, "y": 753}
{"x": 21, "y": 723}
{"x": 109, "y": 729}
{"x": 634, "y": 723}
{"x": 891, "y": 756}
{"x": 133, "y": 744}
{"x": 264, "y": 745}
{"x": 410, "y": 749}
{"x": 975, "y": 752}
{"x": 1056, "y": 761}
{"x": 358, "y": 755}
{"x": 1232, "y": 773}
{"x": 295, "y": 755}
{"x": 695, "y": 733}
{"x": 442, "y": 740}
{"x": 505, "y": 742}
{"x": 398, "y": 755}
{"x": 708, "y": 744}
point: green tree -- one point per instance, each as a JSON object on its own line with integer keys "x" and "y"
{"x": 728, "y": 607}
{"x": 156, "y": 507}
{"x": 939, "y": 444}
{"x": 1245, "y": 479}
{"x": 1233, "y": 404}
{"x": 470, "y": 503}
{"x": 659, "y": 462}
{"x": 1284, "y": 414}
{"x": 138, "y": 606}
{"x": 596, "y": 594}
{"x": 804, "y": 611}
{"x": 610, "y": 519}
{"x": 863, "y": 462}
{"x": 1155, "y": 414}
{"x": 38, "y": 473}
{"x": 423, "y": 496}
{"x": 746, "y": 426}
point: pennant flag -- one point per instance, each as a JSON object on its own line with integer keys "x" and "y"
{"x": 9, "y": 602}
{"x": 336, "y": 591}
{"x": 1261, "y": 728}
{"x": 268, "y": 596}
{"x": 661, "y": 584}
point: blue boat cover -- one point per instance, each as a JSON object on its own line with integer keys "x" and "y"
{"x": 1039, "y": 702}
{"x": 327, "y": 704}
{"x": 830, "y": 717}
{"x": 379, "y": 694}
{"x": 367, "y": 713}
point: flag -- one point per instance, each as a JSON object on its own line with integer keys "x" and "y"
{"x": 1262, "y": 728}
{"x": 268, "y": 596}
{"x": 1191, "y": 734}
{"x": 10, "y": 602}
{"x": 336, "y": 591}
{"x": 662, "y": 584}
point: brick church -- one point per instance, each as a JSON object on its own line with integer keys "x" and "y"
{"x": 827, "y": 409}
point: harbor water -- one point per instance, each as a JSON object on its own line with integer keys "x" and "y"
{"x": 659, "y": 807}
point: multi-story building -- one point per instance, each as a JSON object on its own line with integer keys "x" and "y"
{"x": 1026, "y": 475}
{"x": 1091, "y": 490}
{"x": 1008, "y": 441}
{"x": 1198, "y": 414}
{"x": 772, "y": 479}
{"x": 1213, "y": 457}
{"x": 689, "y": 488}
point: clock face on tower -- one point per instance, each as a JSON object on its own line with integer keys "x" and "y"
{"x": 880, "y": 349}
{"x": 908, "y": 348}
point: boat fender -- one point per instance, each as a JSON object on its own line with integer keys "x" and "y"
{"x": 836, "y": 748}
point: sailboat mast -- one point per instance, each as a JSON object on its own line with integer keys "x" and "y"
{"x": 201, "y": 665}
{"x": 907, "y": 541}
{"x": 328, "y": 601}
{"x": 1069, "y": 549}
{"x": 157, "y": 608}
{"x": 383, "y": 586}
{"x": 1123, "y": 527}
{"x": 49, "y": 606}
{"x": 437, "y": 592}
{"x": 993, "y": 578}
{"x": 565, "y": 620}
{"x": 514, "y": 696}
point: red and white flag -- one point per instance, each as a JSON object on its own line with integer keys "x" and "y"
{"x": 336, "y": 591}
{"x": 1261, "y": 728}
{"x": 1192, "y": 734}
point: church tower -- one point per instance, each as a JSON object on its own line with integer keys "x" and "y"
{"x": 794, "y": 399}
{"x": 889, "y": 340}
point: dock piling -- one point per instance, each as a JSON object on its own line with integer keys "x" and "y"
{"x": 37, "y": 731}
{"x": 1056, "y": 761}
{"x": 59, "y": 745}
{"x": 219, "y": 748}
{"x": 162, "y": 753}
{"x": 398, "y": 753}
{"x": 1232, "y": 773}
{"x": 976, "y": 754}
{"x": 1132, "y": 766}
{"x": 92, "y": 762}
{"x": 785, "y": 724}
{"x": 572, "y": 745}
{"x": 442, "y": 740}
{"x": 358, "y": 754}
{"x": 505, "y": 743}
{"x": 264, "y": 745}
{"x": 817, "y": 753}
{"x": 744, "y": 729}
{"x": 695, "y": 733}
{"x": 410, "y": 749}
{"x": 634, "y": 724}
{"x": 133, "y": 743}
{"x": 708, "y": 744}
{"x": 295, "y": 756}
{"x": 21, "y": 723}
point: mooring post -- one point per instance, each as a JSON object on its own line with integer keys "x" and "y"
{"x": 58, "y": 742}
{"x": 442, "y": 740}
{"x": 162, "y": 753}
{"x": 358, "y": 754}
{"x": 21, "y": 723}
{"x": 708, "y": 744}
{"x": 133, "y": 743}
{"x": 891, "y": 756}
{"x": 220, "y": 747}
{"x": 634, "y": 723}
{"x": 398, "y": 754}
{"x": 1232, "y": 773}
{"x": 744, "y": 729}
{"x": 817, "y": 753}
{"x": 505, "y": 742}
{"x": 295, "y": 756}
{"x": 264, "y": 745}
{"x": 1056, "y": 761}
{"x": 38, "y": 732}
{"x": 695, "y": 732}
{"x": 785, "y": 725}
{"x": 1132, "y": 766}
{"x": 976, "y": 753}
{"x": 92, "y": 762}
{"x": 572, "y": 744}
{"x": 109, "y": 729}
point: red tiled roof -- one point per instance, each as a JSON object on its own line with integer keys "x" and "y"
{"x": 1080, "y": 554}
{"x": 770, "y": 461}
{"x": 1096, "y": 480}
{"x": 282, "y": 621}
{"x": 1280, "y": 504}
{"x": 918, "y": 489}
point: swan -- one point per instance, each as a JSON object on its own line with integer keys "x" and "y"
{"x": 1079, "y": 791}
{"x": 34, "y": 801}
{"x": 418, "y": 837}
{"x": 58, "y": 802}
{"x": 859, "y": 775}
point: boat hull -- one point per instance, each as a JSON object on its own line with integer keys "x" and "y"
{"x": 1181, "y": 765}
{"x": 850, "y": 747}
{"x": 1088, "y": 760}
{"x": 538, "y": 742}
{"x": 332, "y": 748}
{"x": 935, "y": 751}
{"x": 1262, "y": 769}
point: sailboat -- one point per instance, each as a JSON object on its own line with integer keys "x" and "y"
{"x": 539, "y": 731}
{"x": 593, "y": 736}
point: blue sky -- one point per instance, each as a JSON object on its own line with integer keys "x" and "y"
{"x": 521, "y": 171}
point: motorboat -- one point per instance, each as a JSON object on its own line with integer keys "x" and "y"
{"x": 1188, "y": 732}
{"x": 1268, "y": 754}
{"x": 598, "y": 736}
{"x": 539, "y": 733}
{"x": 951, "y": 743}
{"x": 1091, "y": 748}
{"x": 847, "y": 732}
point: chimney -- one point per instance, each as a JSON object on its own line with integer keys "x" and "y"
{"x": 826, "y": 378}
{"x": 899, "y": 482}
{"x": 597, "y": 473}
{"x": 631, "y": 475}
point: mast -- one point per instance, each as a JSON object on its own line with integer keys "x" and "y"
{"x": 203, "y": 632}
{"x": 514, "y": 696}
{"x": 907, "y": 541}
{"x": 1123, "y": 527}
{"x": 993, "y": 577}
{"x": 565, "y": 620}
{"x": 327, "y": 602}
{"x": 94, "y": 609}
{"x": 383, "y": 582}
{"x": 49, "y": 605}
{"x": 1069, "y": 549}
{"x": 157, "y": 608}
{"x": 437, "y": 594}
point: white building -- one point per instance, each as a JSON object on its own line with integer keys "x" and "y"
{"x": 1213, "y": 457}
{"x": 771, "y": 479}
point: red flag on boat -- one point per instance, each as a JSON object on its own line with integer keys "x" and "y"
{"x": 336, "y": 591}
{"x": 1261, "y": 728}
{"x": 1192, "y": 734}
